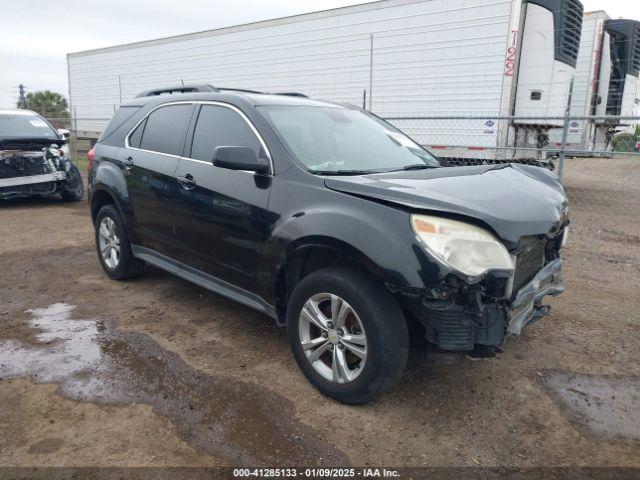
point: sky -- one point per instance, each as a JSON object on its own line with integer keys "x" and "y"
{"x": 37, "y": 34}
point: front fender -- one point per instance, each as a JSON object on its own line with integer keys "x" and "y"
{"x": 367, "y": 231}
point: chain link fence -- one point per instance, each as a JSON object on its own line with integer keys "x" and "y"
{"x": 597, "y": 158}
{"x": 79, "y": 141}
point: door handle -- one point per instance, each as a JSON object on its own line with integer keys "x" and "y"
{"x": 128, "y": 163}
{"x": 187, "y": 182}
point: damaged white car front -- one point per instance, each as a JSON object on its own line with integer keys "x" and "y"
{"x": 33, "y": 159}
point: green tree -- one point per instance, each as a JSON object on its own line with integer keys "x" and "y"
{"x": 50, "y": 105}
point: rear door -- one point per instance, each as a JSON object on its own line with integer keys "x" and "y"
{"x": 221, "y": 215}
{"x": 150, "y": 160}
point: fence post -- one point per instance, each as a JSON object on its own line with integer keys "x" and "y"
{"x": 565, "y": 132}
{"x": 75, "y": 136}
{"x": 371, "y": 74}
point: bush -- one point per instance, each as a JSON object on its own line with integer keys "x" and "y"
{"x": 625, "y": 142}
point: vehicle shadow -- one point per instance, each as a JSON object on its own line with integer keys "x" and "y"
{"x": 31, "y": 202}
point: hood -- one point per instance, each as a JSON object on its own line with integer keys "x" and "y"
{"x": 28, "y": 143}
{"x": 514, "y": 200}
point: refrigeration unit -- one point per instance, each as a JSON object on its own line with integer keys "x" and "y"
{"x": 623, "y": 94}
{"x": 606, "y": 83}
{"x": 415, "y": 59}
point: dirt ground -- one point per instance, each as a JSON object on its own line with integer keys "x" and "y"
{"x": 159, "y": 372}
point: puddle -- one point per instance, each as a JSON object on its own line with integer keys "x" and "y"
{"x": 93, "y": 361}
{"x": 604, "y": 405}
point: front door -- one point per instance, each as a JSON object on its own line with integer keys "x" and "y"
{"x": 221, "y": 216}
{"x": 150, "y": 163}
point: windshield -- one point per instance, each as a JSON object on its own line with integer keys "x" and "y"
{"x": 333, "y": 140}
{"x": 24, "y": 125}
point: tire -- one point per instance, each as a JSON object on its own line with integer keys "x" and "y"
{"x": 73, "y": 189}
{"x": 123, "y": 265}
{"x": 372, "y": 312}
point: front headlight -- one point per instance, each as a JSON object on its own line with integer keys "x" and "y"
{"x": 461, "y": 246}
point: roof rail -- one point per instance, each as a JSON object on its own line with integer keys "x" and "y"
{"x": 178, "y": 89}
{"x": 292, "y": 94}
{"x": 205, "y": 87}
{"x": 241, "y": 90}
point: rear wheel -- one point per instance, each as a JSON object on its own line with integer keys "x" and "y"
{"x": 347, "y": 333}
{"x": 114, "y": 249}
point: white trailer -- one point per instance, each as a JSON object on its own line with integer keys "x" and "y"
{"x": 606, "y": 83}
{"x": 401, "y": 58}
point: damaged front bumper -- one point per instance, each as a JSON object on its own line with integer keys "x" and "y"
{"x": 43, "y": 184}
{"x": 26, "y": 173}
{"x": 458, "y": 316}
{"x": 32, "y": 179}
{"x": 527, "y": 307}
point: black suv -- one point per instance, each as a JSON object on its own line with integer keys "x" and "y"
{"x": 329, "y": 220}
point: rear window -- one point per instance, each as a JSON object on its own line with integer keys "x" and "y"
{"x": 25, "y": 125}
{"x": 136, "y": 135}
{"x": 122, "y": 115}
{"x": 166, "y": 128}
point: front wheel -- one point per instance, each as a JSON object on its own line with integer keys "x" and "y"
{"x": 347, "y": 333}
{"x": 73, "y": 189}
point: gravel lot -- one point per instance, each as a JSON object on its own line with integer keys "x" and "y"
{"x": 159, "y": 372}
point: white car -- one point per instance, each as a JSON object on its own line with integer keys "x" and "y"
{"x": 33, "y": 159}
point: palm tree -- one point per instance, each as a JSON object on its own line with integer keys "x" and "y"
{"x": 50, "y": 105}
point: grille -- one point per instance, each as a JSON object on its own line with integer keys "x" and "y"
{"x": 19, "y": 166}
{"x": 570, "y": 30}
{"x": 529, "y": 261}
{"x": 454, "y": 330}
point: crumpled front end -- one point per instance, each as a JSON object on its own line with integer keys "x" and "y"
{"x": 37, "y": 172}
{"x": 459, "y": 316}
{"x": 527, "y": 307}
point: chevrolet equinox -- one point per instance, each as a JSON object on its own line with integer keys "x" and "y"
{"x": 329, "y": 220}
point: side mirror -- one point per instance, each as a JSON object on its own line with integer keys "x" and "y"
{"x": 64, "y": 133}
{"x": 239, "y": 158}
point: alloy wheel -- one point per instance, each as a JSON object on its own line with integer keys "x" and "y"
{"x": 109, "y": 243}
{"x": 333, "y": 338}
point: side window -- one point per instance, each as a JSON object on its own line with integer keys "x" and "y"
{"x": 166, "y": 128}
{"x": 136, "y": 136}
{"x": 221, "y": 126}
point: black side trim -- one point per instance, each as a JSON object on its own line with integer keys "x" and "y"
{"x": 204, "y": 280}
{"x": 567, "y": 20}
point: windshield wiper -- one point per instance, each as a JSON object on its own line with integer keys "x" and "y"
{"x": 347, "y": 172}
{"x": 419, "y": 166}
